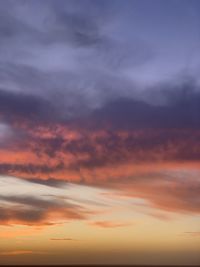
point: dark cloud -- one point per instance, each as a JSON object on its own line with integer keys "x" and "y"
{"x": 49, "y": 182}
{"x": 6, "y": 168}
{"x": 22, "y": 215}
{"x": 14, "y": 105}
{"x": 29, "y": 210}
{"x": 53, "y": 152}
{"x": 181, "y": 111}
{"x": 33, "y": 202}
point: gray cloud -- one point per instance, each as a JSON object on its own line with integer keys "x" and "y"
{"x": 19, "y": 105}
{"x": 35, "y": 210}
{"x": 49, "y": 182}
{"x": 22, "y": 215}
{"x": 67, "y": 54}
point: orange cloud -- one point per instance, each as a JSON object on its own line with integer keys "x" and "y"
{"x": 170, "y": 191}
{"x": 63, "y": 239}
{"x": 65, "y": 153}
{"x": 109, "y": 224}
{"x": 139, "y": 163}
{"x": 15, "y": 252}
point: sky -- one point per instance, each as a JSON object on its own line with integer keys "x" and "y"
{"x": 100, "y": 132}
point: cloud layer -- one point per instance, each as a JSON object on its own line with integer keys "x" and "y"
{"x": 74, "y": 107}
{"x": 38, "y": 204}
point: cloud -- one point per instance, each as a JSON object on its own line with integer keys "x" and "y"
{"x": 109, "y": 224}
{"x": 137, "y": 162}
{"x": 76, "y": 28}
{"x": 28, "y": 168}
{"x": 68, "y": 150}
{"x": 28, "y": 203}
{"x": 16, "y": 252}
{"x": 22, "y": 106}
{"x": 164, "y": 191}
{"x": 49, "y": 182}
{"x": 181, "y": 112}
{"x": 71, "y": 112}
{"x": 63, "y": 239}
{"x": 45, "y": 57}
{"x": 192, "y": 234}
{"x": 36, "y": 208}
{"x": 173, "y": 191}
{"x": 30, "y": 216}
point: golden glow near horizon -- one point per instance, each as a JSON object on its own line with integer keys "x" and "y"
{"x": 109, "y": 224}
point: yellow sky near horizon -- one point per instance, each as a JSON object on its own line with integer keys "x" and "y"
{"x": 121, "y": 228}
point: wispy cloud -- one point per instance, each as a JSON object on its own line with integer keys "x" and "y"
{"x": 44, "y": 205}
{"x": 16, "y": 252}
{"x": 110, "y": 224}
{"x": 193, "y": 234}
{"x": 63, "y": 239}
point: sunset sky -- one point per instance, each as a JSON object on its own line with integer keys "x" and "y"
{"x": 100, "y": 132}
